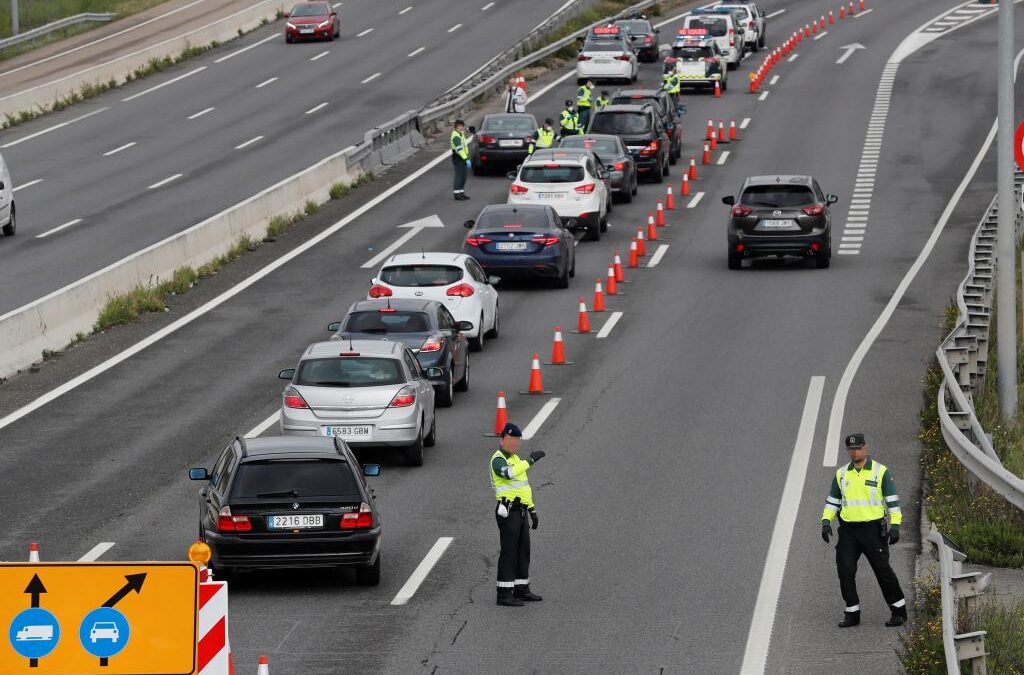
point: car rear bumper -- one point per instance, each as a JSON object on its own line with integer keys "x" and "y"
{"x": 493, "y": 156}
{"x": 262, "y": 552}
{"x": 604, "y": 71}
{"x": 523, "y": 266}
{"x": 799, "y": 245}
{"x": 396, "y": 427}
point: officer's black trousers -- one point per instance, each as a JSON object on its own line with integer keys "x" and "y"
{"x": 866, "y": 538}
{"x": 514, "y": 559}
{"x": 459, "y": 181}
{"x": 584, "y": 118}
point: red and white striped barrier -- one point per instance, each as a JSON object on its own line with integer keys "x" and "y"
{"x": 214, "y": 650}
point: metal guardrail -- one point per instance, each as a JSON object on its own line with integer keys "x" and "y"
{"x": 956, "y": 586}
{"x": 54, "y": 25}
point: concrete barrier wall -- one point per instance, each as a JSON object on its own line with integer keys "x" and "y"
{"x": 118, "y": 69}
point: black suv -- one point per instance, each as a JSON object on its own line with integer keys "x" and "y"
{"x": 640, "y": 128}
{"x": 780, "y": 216}
{"x": 643, "y": 37}
{"x": 671, "y": 116}
{"x": 289, "y": 501}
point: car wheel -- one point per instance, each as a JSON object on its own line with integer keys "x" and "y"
{"x": 666, "y": 168}
{"x": 476, "y": 168}
{"x": 657, "y": 176}
{"x": 673, "y": 156}
{"x": 11, "y": 225}
{"x": 761, "y": 42}
{"x": 431, "y": 439}
{"x": 444, "y": 397}
{"x": 495, "y": 329}
{"x": 609, "y": 206}
{"x": 562, "y": 281}
{"x": 477, "y": 344}
{"x": 636, "y": 186}
{"x": 627, "y": 196}
{"x": 603, "y": 223}
{"x": 823, "y": 258}
{"x": 369, "y": 575}
{"x": 463, "y": 384}
{"x": 287, "y": 39}
{"x": 330, "y": 36}
{"x": 572, "y": 268}
{"x": 735, "y": 260}
{"x": 594, "y": 233}
{"x": 413, "y": 454}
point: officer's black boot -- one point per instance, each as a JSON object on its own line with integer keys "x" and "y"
{"x": 850, "y": 619}
{"x": 898, "y": 618}
{"x": 523, "y": 592}
{"x": 507, "y": 599}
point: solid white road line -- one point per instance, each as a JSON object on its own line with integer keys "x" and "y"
{"x": 27, "y": 185}
{"x": 455, "y": 28}
{"x": 606, "y": 329}
{"x": 243, "y": 50}
{"x": 860, "y": 14}
{"x": 695, "y": 200}
{"x": 169, "y": 82}
{"x": 248, "y": 142}
{"x": 319, "y": 106}
{"x": 200, "y": 113}
{"x": 672, "y": 19}
{"x": 821, "y": 35}
{"x": 416, "y": 51}
{"x": 337, "y": 5}
{"x": 407, "y": 9}
{"x": 108, "y": 153}
{"x": 724, "y": 156}
{"x": 54, "y": 128}
{"x": 775, "y": 13}
{"x": 846, "y": 252}
{"x": 266, "y": 82}
{"x": 371, "y": 78}
{"x": 365, "y": 32}
{"x": 240, "y": 287}
{"x": 763, "y": 96}
{"x": 793, "y": 57}
{"x": 320, "y": 55}
{"x": 96, "y": 551}
{"x": 531, "y": 429}
{"x": 406, "y": 592}
{"x": 755, "y": 656}
{"x": 264, "y": 425}
{"x": 487, "y": 7}
{"x": 66, "y": 225}
{"x": 745, "y": 123}
{"x": 775, "y": 78}
{"x": 165, "y": 181}
{"x": 658, "y": 255}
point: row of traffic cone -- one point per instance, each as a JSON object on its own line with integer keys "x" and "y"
{"x": 722, "y": 136}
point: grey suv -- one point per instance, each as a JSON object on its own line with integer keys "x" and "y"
{"x": 640, "y": 128}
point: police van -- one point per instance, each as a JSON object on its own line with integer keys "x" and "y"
{"x": 723, "y": 30}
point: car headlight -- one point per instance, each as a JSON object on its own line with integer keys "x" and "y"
{"x": 291, "y": 25}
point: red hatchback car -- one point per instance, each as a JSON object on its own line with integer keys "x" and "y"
{"x": 312, "y": 21}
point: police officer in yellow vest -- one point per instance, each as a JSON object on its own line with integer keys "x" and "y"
{"x": 862, "y": 493}
{"x": 515, "y": 505}
{"x": 543, "y": 137}
{"x": 583, "y": 104}
{"x": 672, "y": 83}
{"x": 602, "y": 101}
{"x": 459, "y": 143}
{"x": 569, "y": 120}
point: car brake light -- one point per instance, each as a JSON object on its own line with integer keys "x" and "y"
{"x": 476, "y": 241}
{"x": 488, "y": 139}
{"x": 622, "y": 57}
{"x": 358, "y": 520}
{"x": 619, "y": 166}
{"x": 406, "y": 396}
{"x": 815, "y": 246}
{"x": 432, "y": 344}
{"x": 547, "y": 241}
{"x": 651, "y": 149}
{"x": 462, "y": 291}
{"x": 518, "y": 189}
{"x": 816, "y": 210}
{"x": 378, "y": 291}
{"x": 741, "y": 211}
{"x": 583, "y": 57}
{"x": 648, "y": 39}
{"x": 739, "y": 248}
{"x": 229, "y": 523}
{"x": 585, "y": 189}
{"x": 732, "y": 42}
{"x": 293, "y": 399}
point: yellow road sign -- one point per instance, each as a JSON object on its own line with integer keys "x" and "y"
{"x": 98, "y": 618}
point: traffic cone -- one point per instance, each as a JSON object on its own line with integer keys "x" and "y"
{"x": 693, "y": 169}
{"x": 807, "y": 30}
{"x": 558, "y": 349}
{"x": 264, "y": 667}
{"x": 634, "y": 256}
{"x": 733, "y": 134}
{"x": 718, "y": 90}
{"x": 722, "y": 137}
{"x": 659, "y": 217}
{"x": 711, "y": 129}
{"x": 706, "y": 157}
{"x": 583, "y": 322}
{"x": 831, "y": 18}
{"x": 851, "y": 11}
{"x": 641, "y": 247}
{"x": 536, "y": 381}
{"x": 862, "y": 5}
{"x": 33, "y": 552}
{"x": 611, "y": 286}
{"x": 670, "y": 200}
{"x": 652, "y": 229}
{"x": 598, "y": 297}
{"x": 755, "y": 82}
{"x": 620, "y": 275}
{"x": 684, "y": 187}
{"x": 822, "y": 22}
{"x": 814, "y": 28}
{"x": 842, "y": 12}
{"x": 713, "y": 142}
{"x": 500, "y": 415}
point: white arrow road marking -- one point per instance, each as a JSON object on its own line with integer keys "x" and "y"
{"x": 96, "y": 551}
{"x": 415, "y": 227}
{"x": 850, "y": 49}
{"x": 422, "y": 570}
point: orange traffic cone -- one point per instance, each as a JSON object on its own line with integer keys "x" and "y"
{"x": 706, "y": 157}
{"x": 264, "y": 667}
{"x": 684, "y": 187}
{"x": 500, "y": 415}
{"x": 722, "y": 137}
{"x": 598, "y": 297}
{"x": 536, "y": 381}
{"x": 693, "y": 169}
{"x": 862, "y": 5}
{"x": 659, "y": 217}
{"x": 652, "y": 229}
{"x": 814, "y": 28}
{"x": 718, "y": 90}
{"x": 670, "y": 200}
{"x": 641, "y": 247}
{"x": 583, "y": 322}
{"x": 851, "y": 11}
{"x": 831, "y": 17}
{"x": 620, "y": 275}
{"x": 558, "y": 350}
{"x": 711, "y": 129}
{"x": 33, "y": 552}
{"x": 733, "y": 134}
{"x": 634, "y": 256}
{"x": 713, "y": 142}
{"x": 842, "y": 12}
{"x": 611, "y": 287}
{"x": 822, "y": 26}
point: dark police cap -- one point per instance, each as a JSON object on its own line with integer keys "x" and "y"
{"x": 855, "y": 441}
{"x": 458, "y": 122}
{"x": 512, "y": 430}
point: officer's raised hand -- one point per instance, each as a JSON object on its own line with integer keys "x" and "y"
{"x": 826, "y": 531}
{"x": 536, "y": 456}
{"x": 534, "y": 519}
{"x": 894, "y": 534}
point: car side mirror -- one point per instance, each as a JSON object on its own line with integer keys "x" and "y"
{"x": 371, "y": 469}
{"x": 434, "y": 373}
{"x": 373, "y": 280}
{"x": 609, "y": 167}
{"x": 494, "y": 281}
{"x": 2, "y": 186}
{"x": 512, "y": 175}
{"x": 729, "y": 201}
{"x": 198, "y": 473}
{"x": 469, "y": 224}
{"x": 831, "y": 199}
{"x": 764, "y": 15}
{"x": 463, "y": 326}
{"x": 286, "y": 374}
{"x": 334, "y": 327}
{"x": 603, "y": 173}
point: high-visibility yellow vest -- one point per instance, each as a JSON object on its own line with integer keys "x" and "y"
{"x": 569, "y": 120}
{"x": 517, "y": 486}
{"x": 460, "y": 145}
{"x": 545, "y": 139}
{"x": 862, "y": 499}
{"x": 583, "y": 97}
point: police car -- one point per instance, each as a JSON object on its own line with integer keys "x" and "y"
{"x": 698, "y": 59}
{"x": 723, "y": 30}
{"x": 607, "y": 55}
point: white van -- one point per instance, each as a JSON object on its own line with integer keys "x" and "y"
{"x": 722, "y": 28}
{"x": 6, "y": 199}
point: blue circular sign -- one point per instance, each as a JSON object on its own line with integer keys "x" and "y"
{"x": 34, "y": 633}
{"x": 104, "y": 632}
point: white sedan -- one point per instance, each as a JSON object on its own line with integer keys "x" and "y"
{"x": 454, "y": 279}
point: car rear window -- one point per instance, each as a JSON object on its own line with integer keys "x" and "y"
{"x": 513, "y": 221}
{"x": 692, "y": 53}
{"x": 552, "y": 173}
{"x": 603, "y": 147}
{"x": 619, "y": 123}
{"x": 778, "y": 196}
{"x": 716, "y": 27}
{"x": 395, "y": 321}
{"x": 350, "y": 371}
{"x": 310, "y": 10}
{"x": 636, "y": 27}
{"x": 421, "y": 275}
{"x": 306, "y": 477}
{"x": 604, "y": 46}
{"x": 507, "y": 124}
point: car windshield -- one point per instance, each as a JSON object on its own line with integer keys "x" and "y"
{"x": 296, "y": 478}
{"x": 382, "y": 321}
{"x": 716, "y": 27}
{"x": 619, "y": 123}
{"x": 552, "y": 173}
{"x": 692, "y": 53}
{"x": 310, "y": 10}
{"x": 778, "y": 196}
{"x": 605, "y": 147}
{"x": 604, "y": 46}
{"x": 507, "y": 123}
{"x": 350, "y": 371}
{"x": 636, "y": 27}
{"x": 421, "y": 275}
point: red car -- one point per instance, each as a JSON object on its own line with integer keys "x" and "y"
{"x": 312, "y": 21}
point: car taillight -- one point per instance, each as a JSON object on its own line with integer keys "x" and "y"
{"x": 651, "y": 149}
{"x": 488, "y": 139}
{"x": 358, "y": 520}
{"x": 547, "y": 241}
{"x": 622, "y": 57}
{"x": 431, "y": 344}
{"x": 648, "y": 39}
{"x": 406, "y": 396}
{"x": 619, "y": 166}
{"x": 229, "y": 523}
{"x": 518, "y": 189}
{"x": 750, "y": 24}
{"x": 586, "y": 189}
{"x": 378, "y": 291}
{"x": 741, "y": 211}
{"x": 462, "y": 291}
{"x": 583, "y": 57}
{"x": 293, "y": 399}
{"x": 476, "y": 241}
{"x": 816, "y": 210}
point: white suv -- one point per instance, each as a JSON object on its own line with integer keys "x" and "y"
{"x": 722, "y": 29}
{"x": 6, "y": 200}
{"x": 572, "y": 182}
{"x": 756, "y": 22}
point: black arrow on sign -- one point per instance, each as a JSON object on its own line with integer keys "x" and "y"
{"x": 135, "y": 582}
{"x": 36, "y": 588}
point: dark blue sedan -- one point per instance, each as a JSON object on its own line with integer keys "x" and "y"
{"x": 522, "y": 240}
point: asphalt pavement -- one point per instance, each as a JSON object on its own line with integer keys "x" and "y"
{"x": 679, "y": 442}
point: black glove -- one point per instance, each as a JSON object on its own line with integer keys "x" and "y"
{"x": 534, "y": 519}
{"x": 826, "y": 530}
{"x": 537, "y": 455}
{"x": 894, "y": 534}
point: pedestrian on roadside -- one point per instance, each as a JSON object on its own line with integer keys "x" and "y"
{"x": 459, "y": 143}
{"x": 515, "y": 97}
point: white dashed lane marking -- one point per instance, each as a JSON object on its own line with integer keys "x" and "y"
{"x": 365, "y": 32}
{"x": 65, "y": 226}
{"x": 315, "y": 108}
{"x": 249, "y": 142}
{"x": 371, "y": 78}
{"x": 695, "y": 200}
{"x": 745, "y": 123}
{"x": 266, "y": 82}
{"x": 108, "y": 153}
{"x": 165, "y": 181}
{"x": 200, "y": 113}
{"x": 321, "y": 55}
